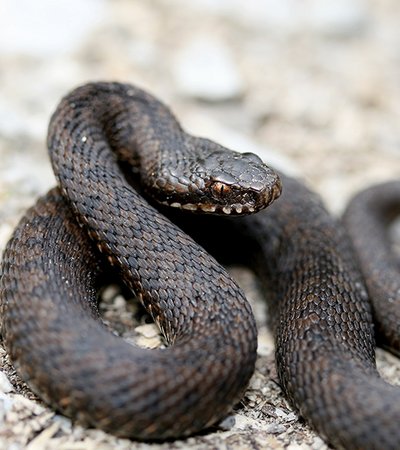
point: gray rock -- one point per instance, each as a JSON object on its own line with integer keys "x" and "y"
{"x": 66, "y": 21}
{"x": 341, "y": 18}
{"x": 205, "y": 69}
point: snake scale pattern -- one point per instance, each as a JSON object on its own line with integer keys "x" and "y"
{"x": 103, "y": 134}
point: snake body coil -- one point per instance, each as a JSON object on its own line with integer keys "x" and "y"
{"x": 51, "y": 273}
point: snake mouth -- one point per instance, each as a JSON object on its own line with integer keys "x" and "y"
{"x": 254, "y": 204}
{"x": 208, "y": 208}
{"x": 235, "y": 209}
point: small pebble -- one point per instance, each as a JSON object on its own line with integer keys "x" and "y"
{"x": 275, "y": 428}
{"x": 5, "y": 385}
{"x": 227, "y": 423}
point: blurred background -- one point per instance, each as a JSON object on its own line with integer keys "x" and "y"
{"x": 313, "y": 86}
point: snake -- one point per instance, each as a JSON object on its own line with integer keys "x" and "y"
{"x": 131, "y": 184}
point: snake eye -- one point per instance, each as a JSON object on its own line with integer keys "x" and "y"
{"x": 219, "y": 189}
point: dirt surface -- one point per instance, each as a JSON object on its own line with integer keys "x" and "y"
{"x": 312, "y": 86}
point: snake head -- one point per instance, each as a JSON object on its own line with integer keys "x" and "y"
{"x": 214, "y": 179}
{"x": 239, "y": 183}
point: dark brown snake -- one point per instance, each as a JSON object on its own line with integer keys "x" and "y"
{"x": 320, "y": 311}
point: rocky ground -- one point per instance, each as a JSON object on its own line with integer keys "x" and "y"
{"x": 312, "y": 86}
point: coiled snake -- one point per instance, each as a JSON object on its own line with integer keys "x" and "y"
{"x": 101, "y": 134}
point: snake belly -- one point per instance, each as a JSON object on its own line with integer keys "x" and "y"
{"x": 320, "y": 310}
